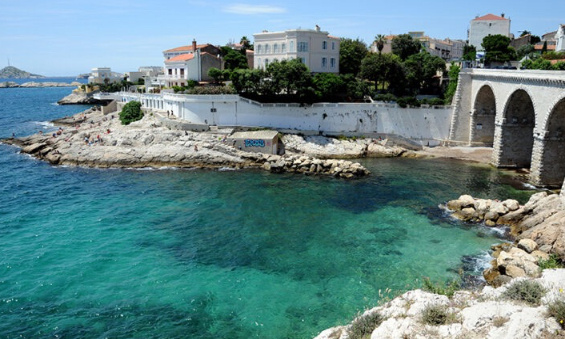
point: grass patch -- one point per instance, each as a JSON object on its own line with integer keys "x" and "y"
{"x": 447, "y": 289}
{"x": 438, "y": 315}
{"x": 364, "y": 325}
{"x": 553, "y": 262}
{"x": 528, "y": 291}
{"x": 556, "y": 309}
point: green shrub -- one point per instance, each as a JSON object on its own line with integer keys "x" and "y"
{"x": 556, "y": 309}
{"x": 385, "y": 97}
{"x": 528, "y": 291}
{"x": 131, "y": 112}
{"x": 447, "y": 289}
{"x": 364, "y": 325}
{"x": 212, "y": 90}
{"x": 437, "y": 315}
{"x": 436, "y": 101}
{"x": 553, "y": 262}
{"x": 405, "y": 101}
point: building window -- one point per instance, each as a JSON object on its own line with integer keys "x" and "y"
{"x": 170, "y": 71}
{"x": 292, "y": 46}
{"x": 333, "y": 45}
{"x": 324, "y": 62}
{"x": 302, "y": 47}
{"x": 258, "y": 62}
{"x": 266, "y": 63}
{"x": 283, "y": 47}
{"x": 182, "y": 72}
{"x": 303, "y": 60}
{"x": 275, "y": 48}
{"x": 332, "y": 62}
{"x": 258, "y": 49}
{"x": 324, "y": 44}
{"x": 267, "y": 49}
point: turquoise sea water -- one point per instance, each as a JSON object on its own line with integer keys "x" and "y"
{"x": 209, "y": 254}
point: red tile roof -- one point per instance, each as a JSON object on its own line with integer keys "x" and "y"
{"x": 489, "y": 17}
{"x": 186, "y": 48}
{"x": 182, "y": 57}
{"x": 188, "y": 56}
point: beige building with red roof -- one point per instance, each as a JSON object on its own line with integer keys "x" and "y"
{"x": 489, "y": 24}
{"x": 190, "y": 63}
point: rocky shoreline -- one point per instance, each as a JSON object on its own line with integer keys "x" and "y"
{"x": 95, "y": 139}
{"x": 538, "y": 228}
{"x": 78, "y": 97}
{"x": 32, "y": 84}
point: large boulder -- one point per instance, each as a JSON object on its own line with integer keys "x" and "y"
{"x": 527, "y": 245}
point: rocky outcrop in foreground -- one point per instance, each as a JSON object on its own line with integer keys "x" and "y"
{"x": 541, "y": 219}
{"x": 538, "y": 226}
{"x": 93, "y": 139}
{"x": 490, "y": 313}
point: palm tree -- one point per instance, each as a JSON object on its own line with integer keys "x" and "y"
{"x": 380, "y": 41}
{"x": 245, "y": 42}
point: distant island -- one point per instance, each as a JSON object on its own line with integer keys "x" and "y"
{"x": 11, "y": 72}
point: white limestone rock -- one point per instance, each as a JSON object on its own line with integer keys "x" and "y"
{"x": 478, "y": 315}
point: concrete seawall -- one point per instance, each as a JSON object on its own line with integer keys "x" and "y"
{"x": 428, "y": 125}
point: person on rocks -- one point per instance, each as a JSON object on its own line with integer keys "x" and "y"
{"x": 195, "y": 148}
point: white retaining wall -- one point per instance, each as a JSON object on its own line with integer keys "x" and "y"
{"x": 428, "y": 124}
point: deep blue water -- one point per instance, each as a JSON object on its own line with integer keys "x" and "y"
{"x": 207, "y": 254}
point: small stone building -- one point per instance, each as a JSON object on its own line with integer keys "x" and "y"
{"x": 265, "y": 141}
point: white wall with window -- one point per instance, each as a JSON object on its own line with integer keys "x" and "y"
{"x": 316, "y": 48}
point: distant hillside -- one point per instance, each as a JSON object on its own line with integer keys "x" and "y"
{"x": 12, "y": 72}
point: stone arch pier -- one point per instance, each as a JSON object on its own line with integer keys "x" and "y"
{"x": 520, "y": 113}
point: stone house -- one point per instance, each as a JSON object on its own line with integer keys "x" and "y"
{"x": 489, "y": 24}
{"x": 190, "y": 63}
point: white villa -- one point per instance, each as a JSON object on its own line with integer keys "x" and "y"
{"x": 488, "y": 24}
{"x": 316, "y": 48}
{"x": 100, "y": 75}
{"x": 190, "y": 63}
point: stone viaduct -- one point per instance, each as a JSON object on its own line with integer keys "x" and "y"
{"x": 520, "y": 113}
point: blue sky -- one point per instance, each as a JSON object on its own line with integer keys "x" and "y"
{"x": 68, "y": 37}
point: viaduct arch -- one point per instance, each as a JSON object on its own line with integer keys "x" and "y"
{"x": 520, "y": 113}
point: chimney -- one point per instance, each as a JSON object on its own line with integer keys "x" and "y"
{"x": 502, "y": 15}
{"x": 193, "y": 45}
